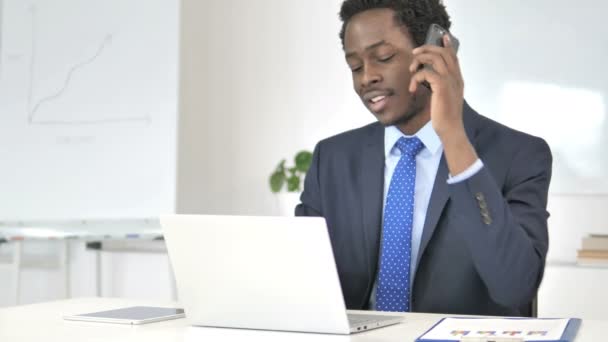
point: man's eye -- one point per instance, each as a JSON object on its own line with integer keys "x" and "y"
{"x": 385, "y": 59}
{"x": 356, "y": 69}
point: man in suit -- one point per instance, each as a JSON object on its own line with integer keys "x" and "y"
{"x": 434, "y": 208}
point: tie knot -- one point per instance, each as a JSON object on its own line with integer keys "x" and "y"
{"x": 409, "y": 146}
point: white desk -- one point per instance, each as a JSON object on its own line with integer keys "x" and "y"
{"x": 43, "y": 322}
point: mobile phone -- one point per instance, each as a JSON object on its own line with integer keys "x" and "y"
{"x": 434, "y": 36}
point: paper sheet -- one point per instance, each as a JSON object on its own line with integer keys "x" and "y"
{"x": 454, "y": 329}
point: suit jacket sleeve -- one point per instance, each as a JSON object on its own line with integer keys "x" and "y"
{"x": 311, "y": 196}
{"x": 506, "y": 229}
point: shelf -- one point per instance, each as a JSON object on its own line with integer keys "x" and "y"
{"x": 574, "y": 264}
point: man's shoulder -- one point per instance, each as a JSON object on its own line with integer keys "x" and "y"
{"x": 497, "y": 144}
{"x": 491, "y": 130}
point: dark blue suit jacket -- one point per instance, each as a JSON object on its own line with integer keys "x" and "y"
{"x": 484, "y": 240}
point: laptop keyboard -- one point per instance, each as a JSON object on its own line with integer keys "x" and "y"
{"x": 358, "y": 319}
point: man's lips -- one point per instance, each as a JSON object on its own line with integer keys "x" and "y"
{"x": 374, "y": 94}
{"x": 378, "y": 104}
{"x": 377, "y": 100}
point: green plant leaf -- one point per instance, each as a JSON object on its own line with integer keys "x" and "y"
{"x": 281, "y": 166}
{"x": 293, "y": 183}
{"x": 303, "y": 160}
{"x": 276, "y": 181}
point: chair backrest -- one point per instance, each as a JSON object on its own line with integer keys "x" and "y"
{"x": 534, "y": 307}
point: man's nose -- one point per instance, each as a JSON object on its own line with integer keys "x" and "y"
{"x": 370, "y": 76}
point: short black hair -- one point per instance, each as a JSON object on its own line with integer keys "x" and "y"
{"x": 416, "y": 15}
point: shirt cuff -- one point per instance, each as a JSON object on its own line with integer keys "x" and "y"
{"x": 466, "y": 174}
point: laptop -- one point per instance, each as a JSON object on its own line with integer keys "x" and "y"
{"x": 266, "y": 273}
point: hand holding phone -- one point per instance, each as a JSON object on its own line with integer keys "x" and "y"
{"x": 435, "y": 35}
{"x": 436, "y": 67}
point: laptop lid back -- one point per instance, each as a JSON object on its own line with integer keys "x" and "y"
{"x": 270, "y": 273}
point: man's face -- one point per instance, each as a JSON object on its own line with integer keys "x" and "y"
{"x": 379, "y": 53}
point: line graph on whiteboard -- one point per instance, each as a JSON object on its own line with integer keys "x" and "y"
{"x": 50, "y": 106}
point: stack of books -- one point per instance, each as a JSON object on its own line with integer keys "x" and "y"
{"x": 594, "y": 251}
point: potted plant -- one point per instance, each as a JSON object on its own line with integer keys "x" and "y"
{"x": 286, "y": 181}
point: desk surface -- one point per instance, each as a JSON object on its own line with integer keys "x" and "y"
{"x": 43, "y": 322}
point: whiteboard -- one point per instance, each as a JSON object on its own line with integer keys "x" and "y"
{"x": 540, "y": 67}
{"x": 88, "y": 108}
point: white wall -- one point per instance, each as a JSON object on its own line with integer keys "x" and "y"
{"x": 260, "y": 80}
{"x": 573, "y": 217}
{"x": 573, "y": 291}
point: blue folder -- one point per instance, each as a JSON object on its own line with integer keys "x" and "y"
{"x": 568, "y": 335}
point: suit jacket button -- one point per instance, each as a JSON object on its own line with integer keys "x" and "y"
{"x": 483, "y": 204}
{"x": 486, "y": 218}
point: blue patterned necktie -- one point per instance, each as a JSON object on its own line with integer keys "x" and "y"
{"x": 393, "y": 292}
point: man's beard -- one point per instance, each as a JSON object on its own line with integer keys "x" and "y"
{"x": 416, "y": 107}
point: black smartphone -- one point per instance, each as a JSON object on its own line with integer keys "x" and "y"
{"x": 434, "y": 36}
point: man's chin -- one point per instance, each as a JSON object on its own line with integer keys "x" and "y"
{"x": 385, "y": 121}
{"x": 394, "y": 120}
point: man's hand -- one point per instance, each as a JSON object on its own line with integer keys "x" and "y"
{"x": 447, "y": 99}
{"x": 445, "y": 79}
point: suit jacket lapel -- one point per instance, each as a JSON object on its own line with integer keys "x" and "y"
{"x": 440, "y": 194}
{"x": 372, "y": 185}
{"x": 439, "y": 198}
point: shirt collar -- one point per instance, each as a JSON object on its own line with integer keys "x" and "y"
{"x": 426, "y": 134}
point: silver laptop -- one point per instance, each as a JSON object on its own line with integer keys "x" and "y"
{"x": 268, "y": 273}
